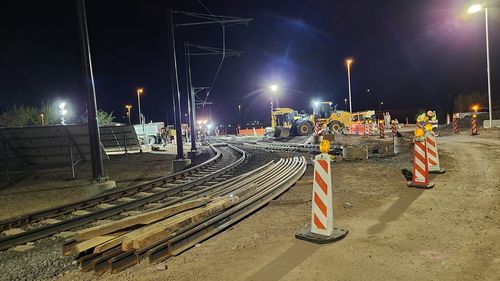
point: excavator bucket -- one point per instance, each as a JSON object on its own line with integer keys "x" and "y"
{"x": 281, "y": 132}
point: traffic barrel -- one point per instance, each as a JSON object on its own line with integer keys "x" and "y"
{"x": 473, "y": 125}
{"x": 432, "y": 153}
{"x": 381, "y": 128}
{"x": 420, "y": 167}
{"x": 321, "y": 229}
{"x": 368, "y": 129}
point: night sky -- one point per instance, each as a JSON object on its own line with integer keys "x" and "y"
{"x": 410, "y": 54}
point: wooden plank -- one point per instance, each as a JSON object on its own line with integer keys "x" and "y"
{"x": 109, "y": 244}
{"x": 144, "y": 218}
{"x": 166, "y": 227}
{"x": 78, "y": 247}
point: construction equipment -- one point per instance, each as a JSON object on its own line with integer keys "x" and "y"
{"x": 327, "y": 116}
{"x": 287, "y": 121}
{"x": 149, "y": 133}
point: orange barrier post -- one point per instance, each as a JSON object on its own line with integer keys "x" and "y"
{"x": 381, "y": 128}
{"x": 455, "y": 125}
{"x": 473, "y": 125}
{"x": 420, "y": 167}
{"x": 321, "y": 229}
{"x": 394, "y": 130}
{"x": 432, "y": 153}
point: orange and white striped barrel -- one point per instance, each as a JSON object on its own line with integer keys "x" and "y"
{"x": 381, "y": 128}
{"x": 368, "y": 127}
{"x": 455, "y": 125}
{"x": 322, "y": 205}
{"x": 420, "y": 167}
{"x": 433, "y": 163}
{"x": 448, "y": 119}
{"x": 394, "y": 130}
{"x": 473, "y": 125}
{"x": 351, "y": 129}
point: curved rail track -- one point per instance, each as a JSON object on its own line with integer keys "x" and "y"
{"x": 154, "y": 194}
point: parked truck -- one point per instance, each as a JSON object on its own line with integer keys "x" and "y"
{"x": 149, "y": 133}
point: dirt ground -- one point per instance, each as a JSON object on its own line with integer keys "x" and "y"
{"x": 50, "y": 187}
{"x": 450, "y": 232}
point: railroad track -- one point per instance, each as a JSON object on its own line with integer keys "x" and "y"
{"x": 143, "y": 197}
{"x": 266, "y": 183}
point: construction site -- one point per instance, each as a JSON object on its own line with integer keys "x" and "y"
{"x": 340, "y": 189}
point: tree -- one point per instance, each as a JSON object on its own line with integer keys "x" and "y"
{"x": 463, "y": 103}
{"x": 20, "y": 116}
{"x": 50, "y": 114}
{"x": 103, "y": 117}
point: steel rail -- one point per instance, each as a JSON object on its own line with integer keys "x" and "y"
{"x": 271, "y": 182}
{"x": 70, "y": 223}
{"x": 265, "y": 178}
{"x": 106, "y": 197}
{"x": 217, "y": 224}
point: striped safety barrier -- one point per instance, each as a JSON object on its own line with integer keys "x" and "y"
{"x": 394, "y": 130}
{"x": 321, "y": 229}
{"x": 473, "y": 125}
{"x": 381, "y": 128}
{"x": 368, "y": 129}
{"x": 420, "y": 168}
{"x": 455, "y": 125}
{"x": 433, "y": 163}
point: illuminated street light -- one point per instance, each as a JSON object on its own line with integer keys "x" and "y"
{"x": 43, "y": 119}
{"x": 128, "y": 107}
{"x": 273, "y": 88}
{"x": 345, "y": 104}
{"x": 474, "y": 9}
{"x": 349, "y": 62}
{"x": 63, "y": 111}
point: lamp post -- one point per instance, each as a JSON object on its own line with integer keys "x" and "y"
{"x": 139, "y": 92}
{"x": 368, "y": 91}
{"x": 43, "y": 120}
{"x": 349, "y": 62}
{"x": 474, "y": 9}
{"x": 128, "y": 107}
{"x": 63, "y": 111}
{"x": 274, "y": 89}
{"x": 345, "y": 104}
{"x": 239, "y": 114}
{"x": 380, "y": 106}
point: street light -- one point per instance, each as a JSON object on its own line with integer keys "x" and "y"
{"x": 349, "y": 62}
{"x": 43, "y": 120}
{"x": 474, "y": 9}
{"x": 139, "y": 92}
{"x": 128, "y": 107}
{"x": 345, "y": 104}
{"x": 368, "y": 91}
{"x": 63, "y": 111}
{"x": 274, "y": 89}
{"x": 380, "y": 106}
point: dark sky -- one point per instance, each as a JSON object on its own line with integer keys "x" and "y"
{"x": 411, "y": 54}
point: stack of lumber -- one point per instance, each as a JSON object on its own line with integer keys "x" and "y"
{"x": 143, "y": 230}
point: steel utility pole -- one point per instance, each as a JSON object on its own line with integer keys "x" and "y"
{"x": 175, "y": 82}
{"x": 191, "y": 98}
{"x": 94, "y": 137}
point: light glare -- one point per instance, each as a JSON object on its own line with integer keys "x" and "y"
{"x": 474, "y": 8}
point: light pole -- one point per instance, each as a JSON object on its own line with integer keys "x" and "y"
{"x": 368, "y": 91}
{"x": 345, "y": 104}
{"x": 43, "y": 120}
{"x": 474, "y": 9}
{"x": 128, "y": 107}
{"x": 380, "y": 106}
{"x": 139, "y": 92}
{"x": 63, "y": 111}
{"x": 349, "y": 62}
{"x": 239, "y": 114}
{"x": 274, "y": 89}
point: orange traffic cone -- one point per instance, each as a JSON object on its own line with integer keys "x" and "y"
{"x": 321, "y": 230}
{"x": 432, "y": 154}
{"x": 420, "y": 167}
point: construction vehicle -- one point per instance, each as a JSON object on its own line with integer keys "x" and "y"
{"x": 328, "y": 117}
{"x": 149, "y": 133}
{"x": 287, "y": 121}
